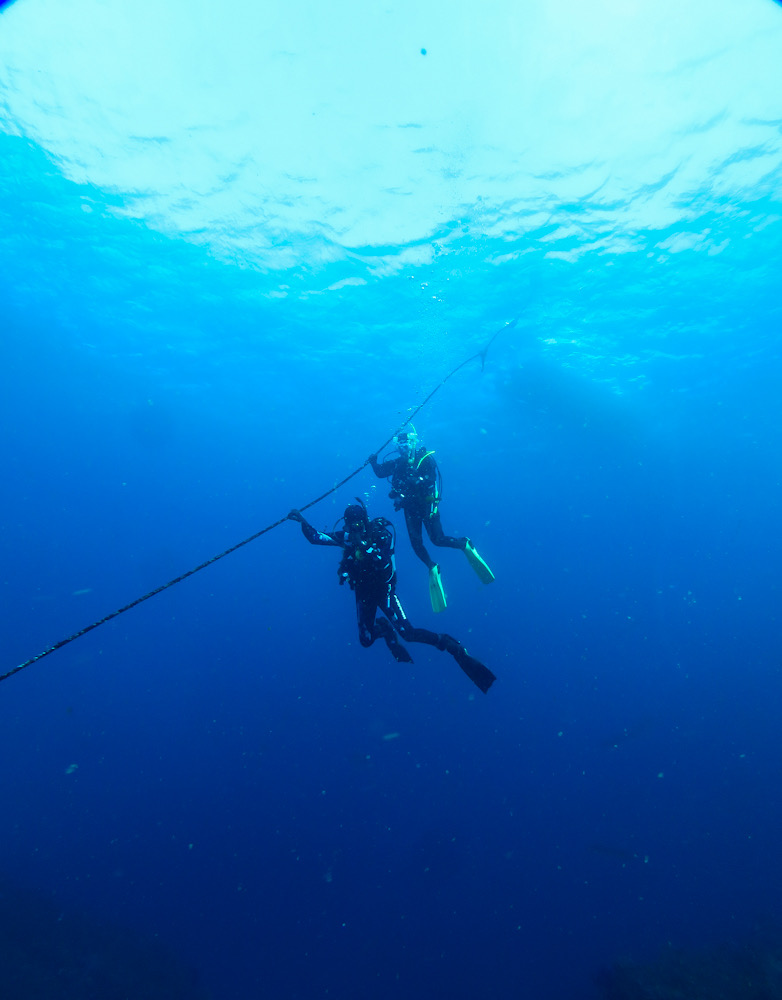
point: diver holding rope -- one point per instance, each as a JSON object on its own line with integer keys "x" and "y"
{"x": 66, "y": 640}
{"x": 416, "y": 488}
{"x": 369, "y": 568}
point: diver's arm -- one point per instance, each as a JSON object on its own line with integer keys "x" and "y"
{"x": 313, "y": 536}
{"x": 382, "y": 469}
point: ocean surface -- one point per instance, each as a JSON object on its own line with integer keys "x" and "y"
{"x": 240, "y": 244}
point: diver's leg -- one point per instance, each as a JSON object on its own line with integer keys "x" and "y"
{"x": 383, "y": 629}
{"x": 397, "y": 650}
{"x": 434, "y": 529}
{"x": 479, "y": 674}
{"x": 366, "y": 612}
{"x": 395, "y": 613}
{"x": 414, "y": 524}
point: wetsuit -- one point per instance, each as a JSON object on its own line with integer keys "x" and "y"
{"x": 368, "y": 566}
{"x": 415, "y": 489}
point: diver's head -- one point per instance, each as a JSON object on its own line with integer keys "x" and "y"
{"x": 356, "y": 521}
{"x": 407, "y": 443}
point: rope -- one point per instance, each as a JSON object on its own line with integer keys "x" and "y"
{"x": 263, "y": 531}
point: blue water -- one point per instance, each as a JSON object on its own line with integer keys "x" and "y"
{"x": 224, "y": 768}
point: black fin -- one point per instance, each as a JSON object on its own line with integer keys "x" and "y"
{"x": 479, "y": 674}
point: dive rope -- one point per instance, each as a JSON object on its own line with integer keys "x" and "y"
{"x": 196, "y": 569}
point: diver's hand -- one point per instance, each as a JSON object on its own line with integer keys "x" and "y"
{"x": 296, "y": 515}
{"x": 398, "y": 499}
{"x": 372, "y": 458}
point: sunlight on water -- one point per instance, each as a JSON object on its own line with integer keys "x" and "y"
{"x": 277, "y": 134}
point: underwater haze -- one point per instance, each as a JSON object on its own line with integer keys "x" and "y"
{"x": 241, "y": 244}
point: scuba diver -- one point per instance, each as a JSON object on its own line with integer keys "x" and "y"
{"x": 368, "y": 567}
{"x": 416, "y": 486}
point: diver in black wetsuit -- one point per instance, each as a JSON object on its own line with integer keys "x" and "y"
{"x": 416, "y": 487}
{"x": 368, "y": 566}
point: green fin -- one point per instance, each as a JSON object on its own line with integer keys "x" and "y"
{"x": 436, "y": 592}
{"x": 485, "y": 575}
